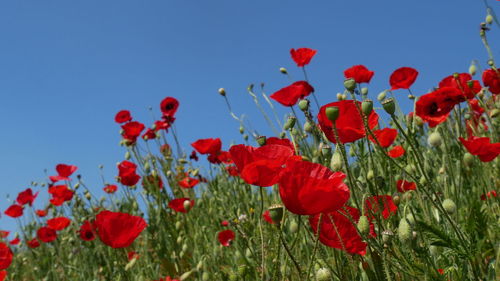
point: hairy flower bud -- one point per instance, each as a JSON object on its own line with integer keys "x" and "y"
{"x": 304, "y": 105}
{"x": 290, "y": 122}
{"x": 323, "y": 274}
{"x": 381, "y": 96}
{"x": 449, "y": 206}
{"x": 363, "y": 225}
{"x": 434, "y": 139}
{"x": 404, "y": 231}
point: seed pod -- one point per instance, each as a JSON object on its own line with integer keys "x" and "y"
{"x": 404, "y": 231}
{"x": 332, "y": 113}
{"x": 363, "y": 225}
{"x": 276, "y": 213}
{"x": 434, "y": 139}
{"x": 323, "y": 274}
{"x": 449, "y": 206}
{"x": 367, "y": 107}
{"x": 389, "y": 106}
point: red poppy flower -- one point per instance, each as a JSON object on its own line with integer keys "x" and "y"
{"x": 127, "y": 174}
{"x": 161, "y": 125}
{"x": 60, "y": 194}
{"x": 404, "y": 186}
{"x": 188, "y": 182}
{"x": 226, "y": 237}
{"x": 150, "y": 134}
{"x": 110, "y": 188}
{"x": 26, "y": 197}
{"x": 4, "y": 233}
{"x": 224, "y": 223}
{"x": 41, "y": 213}
{"x": 169, "y": 107}
{"x": 491, "y": 79}
{"x": 380, "y": 204}
{"x": 118, "y": 230}
{"x": 207, "y": 146}
{"x": 46, "y": 234}
{"x": 15, "y": 241}
{"x": 260, "y": 166}
{"x": 87, "y": 231}
{"x": 14, "y": 211}
{"x": 337, "y": 230}
{"x": 482, "y": 148}
{"x": 3, "y": 274}
{"x": 359, "y": 73}
{"x": 123, "y": 116}
{"x": 193, "y": 156}
{"x": 289, "y": 95}
{"x": 285, "y": 142}
{"x": 132, "y": 130}
{"x": 489, "y": 194}
{"x": 232, "y": 170}
{"x": 33, "y": 243}
{"x": 58, "y": 223}
{"x": 132, "y": 255}
{"x": 178, "y": 204}
{"x": 435, "y": 107}
{"x": 461, "y": 83}
{"x": 403, "y": 78}
{"x": 396, "y": 152}
{"x": 349, "y": 124}
{"x": 267, "y": 217}
{"x": 308, "y": 188}
{"x": 6, "y": 256}
{"x": 440, "y": 271}
{"x": 385, "y": 136}
{"x": 64, "y": 171}
{"x": 302, "y": 56}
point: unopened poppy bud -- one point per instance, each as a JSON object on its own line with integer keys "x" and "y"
{"x": 410, "y": 96}
{"x": 422, "y": 180}
{"x": 468, "y": 159}
{"x": 419, "y": 121}
{"x": 456, "y": 75}
{"x": 304, "y": 104}
{"x": 283, "y": 70}
{"x": 370, "y": 175}
{"x": 245, "y": 137}
{"x": 489, "y": 19}
{"x": 205, "y": 276}
{"x": 76, "y": 186}
{"x": 87, "y": 195}
{"x": 222, "y": 92}
{"x": 242, "y": 130}
{"x": 187, "y": 205}
{"x": 363, "y": 225}
{"x": 293, "y": 226}
{"x": 404, "y": 231}
{"x": 179, "y": 240}
{"x": 178, "y": 225}
{"x": 472, "y": 69}
{"x": 352, "y": 151}
{"x": 434, "y": 250}
{"x": 434, "y": 139}
{"x": 449, "y": 206}
{"x": 344, "y": 96}
{"x": 127, "y": 155}
{"x": 282, "y": 135}
{"x": 308, "y": 127}
{"x": 290, "y": 123}
{"x": 147, "y": 167}
{"x": 381, "y": 96}
{"x": 389, "y": 106}
{"x": 396, "y": 199}
{"x": 276, "y": 213}
{"x": 248, "y": 253}
{"x": 350, "y": 84}
{"x": 336, "y": 162}
{"x": 332, "y": 113}
{"x": 467, "y": 116}
{"x": 340, "y": 96}
{"x": 410, "y": 219}
{"x": 367, "y": 107}
{"x": 364, "y": 91}
{"x": 491, "y": 62}
{"x": 323, "y": 274}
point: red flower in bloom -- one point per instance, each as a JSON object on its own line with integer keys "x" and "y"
{"x": 232, "y": 170}
{"x": 4, "y": 233}
{"x": 132, "y": 255}
{"x": 58, "y": 223}
{"x": 14, "y": 211}
{"x": 440, "y": 271}
{"x": 403, "y": 78}
{"x": 289, "y": 95}
{"x": 15, "y": 241}
{"x": 380, "y": 204}
{"x": 275, "y": 140}
{"x": 33, "y": 243}
{"x": 3, "y": 274}
{"x": 207, "y": 146}
{"x": 5, "y": 256}
{"x": 132, "y": 130}
{"x": 491, "y": 79}
{"x": 482, "y": 148}
{"x": 385, "y": 136}
{"x": 461, "y": 83}
{"x": 396, "y": 151}
{"x": 224, "y": 223}
{"x": 161, "y": 125}
{"x": 489, "y": 194}
{"x": 149, "y": 134}
{"x": 404, "y": 186}
{"x": 169, "y": 107}
{"x": 123, "y": 116}
{"x": 87, "y": 231}
{"x": 46, "y": 234}
{"x": 60, "y": 194}
{"x": 41, "y": 213}
{"x": 267, "y": 217}
{"x": 337, "y": 230}
{"x": 302, "y": 56}
{"x": 118, "y": 230}
{"x": 188, "y": 182}
{"x": 110, "y": 188}
{"x": 260, "y": 166}
{"x": 349, "y": 124}
{"x": 178, "y": 204}
{"x": 359, "y": 73}
{"x": 26, "y": 197}
{"x": 63, "y": 171}
{"x": 226, "y": 237}
{"x": 308, "y": 188}
{"x": 126, "y": 172}
{"x": 435, "y": 107}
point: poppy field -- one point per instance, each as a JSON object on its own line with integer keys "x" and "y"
{"x": 359, "y": 188}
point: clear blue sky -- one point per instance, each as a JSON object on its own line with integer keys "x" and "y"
{"x": 66, "y": 67}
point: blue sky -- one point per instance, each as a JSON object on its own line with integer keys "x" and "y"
{"x": 66, "y": 67}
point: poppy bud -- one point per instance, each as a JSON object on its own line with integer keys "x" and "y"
{"x": 282, "y": 135}
{"x": 336, "y": 162}
{"x": 76, "y": 186}
{"x": 332, "y": 113}
{"x": 468, "y": 159}
{"x": 340, "y": 96}
{"x": 222, "y": 92}
{"x": 178, "y": 225}
{"x": 283, "y": 70}
{"x": 350, "y": 84}
{"x": 147, "y": 167}
{"x": 87, "y": 195}
{"x": 242, "y": 130}
{"x": 290, "y": 122}
{"x": 381, "y": 96}
{"x": 422, "y": 180}
{"x": 449, "y": 206}
{"x": 367, "y": 107}
{"x": 396, "y": 199}
{"x": 472, "y": 69}
{"x": 276, "y": 213}
{"x": 410, "y": 96}
{"x": 248, "y": 253}
{"x": 410, "y": 219}
{"x": 293, "y": 226}
{"x": 364, "y": 91}
{"x": 205, "y": 276}
{"x": 363, "y": 225}
{"x": 308, "y": 127}
{"x": 323, "y": 274}
{"x": 434, "y": 139}
{"x": 489, "y": 19}
{"x": 389, "y": 106}
{"x": 304, "y": 105}
{"x": 187, "y": 205}
{"x": 127, "y": 155}
{"x": 370, "y": 175}
{"x": 245, "y": 137}
{"x": 404, "y": 231}
{"x": 419, "y": 121}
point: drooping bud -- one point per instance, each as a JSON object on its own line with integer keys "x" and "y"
{"x": 468, "y": 159}
{"x": 283, "y": 70}
{"x": 449, "y": 206}
{"x": 242, "y": 130}
{"x": 261, "y": 140}
{"x": 472, "y": 69}
{"x": 282, "y": 135}
{"x": 389, "y": 106}
{"x": 367, "y": 107}
{"x": 276, "y": 213}
{"x": 187, "y": 205}
{"x": 350, "y": 84}
{"x": 290, "y": 122}
{"x": 404, "y": 231}
{"x": 304, "y": 104}
{"x": 363, "y": 225}
{"x": 332, "y": 113}
{"x": 340, "y": 96}
{"x": 323, "y": 274}
{"x": 336, "y": 162}
{"x": 370, "y": 175}
{"x": 381, "y": 96}
{"x": 364, "y": 91}
{"x": 222, "y": 92}
{"x": 434, "y": 139}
